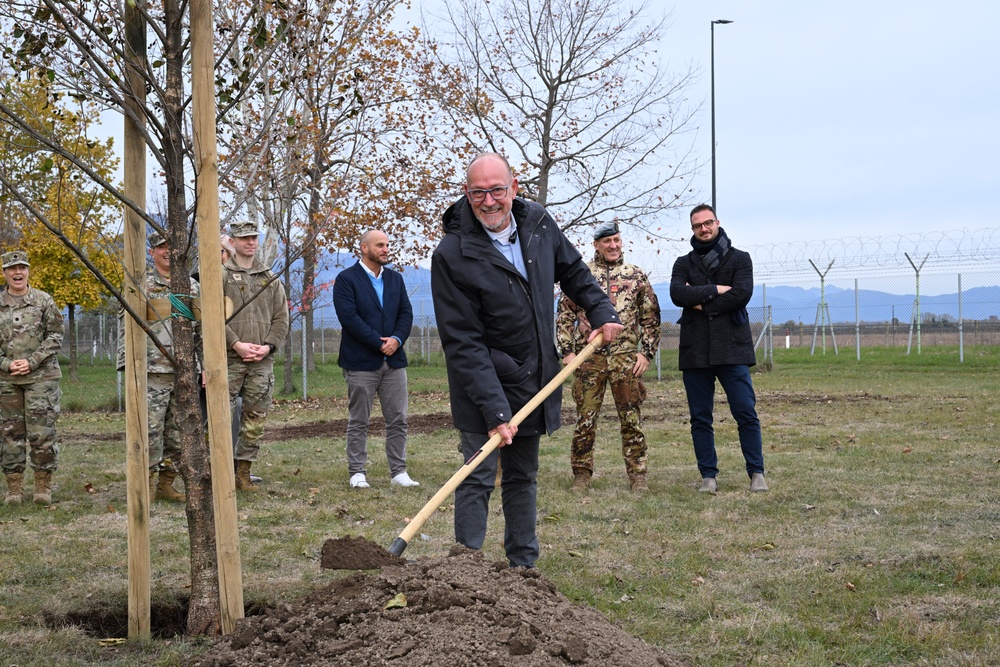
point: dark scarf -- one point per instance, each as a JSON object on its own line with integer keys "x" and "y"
{"x": 713, "y": 251}
{"x": 711, "y": 254}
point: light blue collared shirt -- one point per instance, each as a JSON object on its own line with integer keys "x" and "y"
{"x": 379, "y": 286}
{"x": 510, "y": 249}
{"x": 377, "y": 282}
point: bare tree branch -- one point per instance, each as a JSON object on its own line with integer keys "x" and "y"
{"x": 574, "y": 93}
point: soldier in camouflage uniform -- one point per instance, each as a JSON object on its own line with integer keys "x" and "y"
{"x": 621, "y": 364}
{"x": 161, "y": 401}
{"x": 257, "y": 327}
{"x": 31, "y": 331}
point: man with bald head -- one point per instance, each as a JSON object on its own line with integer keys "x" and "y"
{"x": 375, "y": 318}
{"x": 492, "y": 279}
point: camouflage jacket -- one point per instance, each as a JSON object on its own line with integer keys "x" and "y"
{"x": 156, "y": 286}
{"x": 632, "y": 295}
{"x": 263, "y": 311}
{"x": 31, "y": 327}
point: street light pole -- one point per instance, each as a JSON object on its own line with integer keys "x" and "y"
{"x": 721, "y": 22}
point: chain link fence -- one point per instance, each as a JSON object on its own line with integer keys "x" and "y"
{"x": 824, "y": 312}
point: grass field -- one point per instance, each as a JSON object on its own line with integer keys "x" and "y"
{"x": 877, "y": 544}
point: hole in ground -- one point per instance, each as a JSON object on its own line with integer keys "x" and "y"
{"x": 167, "y": 618}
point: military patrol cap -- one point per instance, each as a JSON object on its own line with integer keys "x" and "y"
{"x": 241, "y": 229}
{"x": 155, "y": 240}
{"x": 605, "y": 229}
{"x": 14, "y": 258}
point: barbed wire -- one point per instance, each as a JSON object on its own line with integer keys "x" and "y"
{"x": 859, "y": 256}
{"x": 856, "y": 256}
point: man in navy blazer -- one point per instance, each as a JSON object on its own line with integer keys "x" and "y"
{"x": 375, "y": 317}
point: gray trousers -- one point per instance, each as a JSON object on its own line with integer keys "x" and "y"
{"x": 362, "y": 387}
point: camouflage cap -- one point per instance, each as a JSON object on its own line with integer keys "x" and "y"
{"x": 15, "y": 258}
{"x": 604, "y": 229}
{"x": 155, "y": 240}
{"x": 241, "y": 229}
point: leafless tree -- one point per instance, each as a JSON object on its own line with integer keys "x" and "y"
{"x": 577, "y": 96}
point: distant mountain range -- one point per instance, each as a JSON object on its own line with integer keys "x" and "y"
{"x": 787, "y": 303}
{"x": 800, "y": 305}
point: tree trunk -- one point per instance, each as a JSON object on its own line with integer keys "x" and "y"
{"x": 308, "y": 297}
{"x": 74, "y": 373}
{"x": 309, "y": 259}
{"x": 204, "y": 615}
{"x": 288, "y": 387}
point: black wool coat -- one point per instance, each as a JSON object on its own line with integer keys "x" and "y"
{"x": 718, "y": 334}
{"x": 497, "y": 329}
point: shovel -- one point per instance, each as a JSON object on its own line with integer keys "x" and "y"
{"x": 330, "y": 558}
{"x": 399, "y": 544}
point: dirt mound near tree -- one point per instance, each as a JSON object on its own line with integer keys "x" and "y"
{"x": 456, "y": 610}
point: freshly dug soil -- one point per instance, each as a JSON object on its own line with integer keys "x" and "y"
{"x": 355, "y": 553}
{"x": 455, "y": 610}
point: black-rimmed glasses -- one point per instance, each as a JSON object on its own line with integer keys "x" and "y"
{"x": 498, "y": 192}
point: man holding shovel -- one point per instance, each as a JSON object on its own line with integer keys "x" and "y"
{"x": 492, "y": 279}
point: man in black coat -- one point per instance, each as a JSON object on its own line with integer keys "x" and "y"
{"x": 713, "y": 284}
{"x": 492, "y": 280}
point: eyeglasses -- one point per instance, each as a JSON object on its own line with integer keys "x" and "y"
{"x": 703, "y": 225}
{"x": 498, "y": 192}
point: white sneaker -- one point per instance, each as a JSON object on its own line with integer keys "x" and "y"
{"x": 402, "y": 479}
{"x": 358, "y": 481}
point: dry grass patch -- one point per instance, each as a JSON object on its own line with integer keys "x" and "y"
{"x": 876, "y": 545}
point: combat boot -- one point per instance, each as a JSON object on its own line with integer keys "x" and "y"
{"x": 243, "y": 482}
{"x": 581, "y": 479}
{"x": 165, "y": 489}
{"x": 638, "y": 484}
{"x": 43, "y": 487}
{"x": 15, "y": 490}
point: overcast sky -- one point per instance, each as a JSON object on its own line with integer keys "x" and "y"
{"x": 843, "y": 120}
{"x": 850, "y": 118}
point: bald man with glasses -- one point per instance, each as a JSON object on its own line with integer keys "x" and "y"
{"x": 492, "y": 279}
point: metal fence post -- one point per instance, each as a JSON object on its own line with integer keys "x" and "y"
{"x": 857, "y": 320}
{"x": 961, "y": 336}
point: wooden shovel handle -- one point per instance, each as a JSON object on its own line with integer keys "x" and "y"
{"x": 449, "y": 487}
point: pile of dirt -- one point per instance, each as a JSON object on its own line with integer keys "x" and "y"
{"x": 459, "y": 610}
{"x": 355, "y": 553}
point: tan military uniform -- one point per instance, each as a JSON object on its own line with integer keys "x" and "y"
{"x": 632, "y": 295}
{"x": 31, "y": 327}
{"x": 262, "y": 319}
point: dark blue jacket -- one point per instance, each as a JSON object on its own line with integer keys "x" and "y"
{"x": 365, "y": 322}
